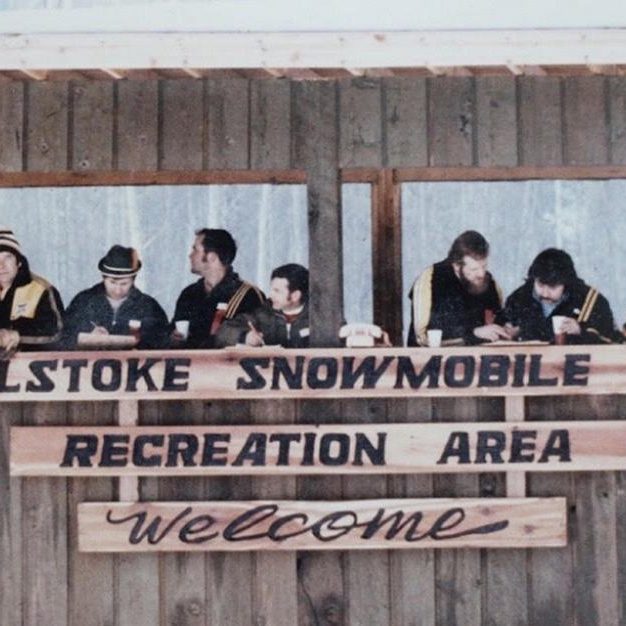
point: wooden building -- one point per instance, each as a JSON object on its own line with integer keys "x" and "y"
{"x": 106, "y": 123}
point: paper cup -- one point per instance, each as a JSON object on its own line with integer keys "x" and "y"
{"x": 557, "y": 323}
{"x": 434, "y": 338}
{"x": 182, "y": 327}
{"x": 134, "y": 324}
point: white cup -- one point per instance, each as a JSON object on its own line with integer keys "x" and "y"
{"x": 134, "y": 324}
{"x": 434, "y": 338}
{"x": 182, "y": 327}
{"x": 557, "y": 323}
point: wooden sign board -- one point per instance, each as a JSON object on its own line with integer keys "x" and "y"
{"x": 340, "y": 373}
{"x": 302, "y": 449}
{"x": 302, "y": 525}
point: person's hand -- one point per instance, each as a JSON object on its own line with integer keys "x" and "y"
{"x": 254, "y": 337}
{"x": 513, "y": 331}
{"x": 570, "y": 326}
{"x": 491, "y": 332}
{"x": 177, "y": 339}
{"x": 99, "y": 330}
{"x": 9, "y": 341}
{"x": 384, "y": 341}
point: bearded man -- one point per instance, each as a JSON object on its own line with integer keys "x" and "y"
{"x": 458, "y": 296}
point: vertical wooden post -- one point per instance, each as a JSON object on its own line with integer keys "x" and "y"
{"x": 387, "y": 254}
{"x": 128, "y": 415}
{"x": 514, "y": 411}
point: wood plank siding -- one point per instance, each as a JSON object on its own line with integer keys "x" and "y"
{"x": 369, "y": 126}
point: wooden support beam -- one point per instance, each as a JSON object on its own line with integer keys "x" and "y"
{"x": 514, "y": 411}
{"x": 387, "y": 254}
{"x": 128, "y": 415}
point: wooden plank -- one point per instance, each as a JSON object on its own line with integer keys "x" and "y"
{"x": 366, "y": 574}
{"x": 289, "y": 525}
{"x": 404, "y": 119}
{"x": 91, "y": 576}
{"x": 361, "y": 139}
{"x": 551, "y": 571}
{"x": 496, "y": 113}
{"x": 270, "y": 124}
{"x": 317, "y": 449}
{"x": 45, "y": 583}
{"x": 411, "y": 573}
{"x": 617, "y": 114}
{"x": 387, "y": 255}
{"x": 12, "y": 127}
{"x": 268, "y": 606}
{"x": 182, "y": 587}
{"x": 324, "y": 217}
{"x": 182, "y": 125}
{"x": 256, "y": 373}
{"x": 137, "y": 133}
{"x": 236, "y": 570}
{"x": 514, "y": 412}
{"x": 451, "y": 118}
{"x": 10, "y": 525}
{"x": 228, "y": 124}
{"x": 322, "y": 590}
{"x": 92, "y": 125}
{"x": 585, "y": 120}
{"x": 540, "y": 120}
{"x": 458, "y": 572}
{"x": 47, "y": 126}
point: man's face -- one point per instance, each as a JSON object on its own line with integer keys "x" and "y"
{"x": 280, "y": 295}
{"x": 550, "y": 294}
{"x": 473, "y": 274}
{"x": 198, "y": 257}
{"x": 9, "y": 265}
{"x": 117, "y": 288}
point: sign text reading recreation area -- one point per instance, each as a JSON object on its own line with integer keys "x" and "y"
{"x": 302, "y": 525}
{"x": 277, "y": 373}
{"x": 363, "y": 448}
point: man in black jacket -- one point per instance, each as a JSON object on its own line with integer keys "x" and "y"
{"x": 553, "y": 288}
{"x": 115, "y": 306}
{"x": 30, "y": 307}
{"x": 282, "y": 321}
{"x": 217, "y": 296}
{"x": 458, "y": 296}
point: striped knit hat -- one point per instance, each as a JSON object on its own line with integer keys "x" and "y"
{"x": 8, "y": 242}
{"x": 120, "y": 262}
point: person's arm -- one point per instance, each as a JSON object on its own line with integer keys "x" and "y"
{"x": 154, "y": 327}
{"x": 595, "y": 321}
{"x": 421, "y": 306}
{"x": 233, "y": 331}
{"x": 45, "y": 328}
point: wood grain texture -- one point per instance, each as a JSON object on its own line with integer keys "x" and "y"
{"x": 585, "y": 120}
{"x": 540, "y": 120}
{"x": 270, "y": 124}
{"x": 137, "y": 137}
{"x": 47, "y": 134}
{"x": 617, "y": 115}
{"x": 182, "y": 130}
{"x": 12, "y": 126}
{"x": 451, "y": 116}
{"x": 405, "y": 122}
{"x": 10, "y": 525}
{"x": 361, "y": 136}
{"x": 496, "y": 120}
{"x": 92, "y": 129}
{"x": 90, "y": 576}
{"x": 228, "y": 129}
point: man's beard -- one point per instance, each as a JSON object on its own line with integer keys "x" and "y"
{"x": 473, "y": 288}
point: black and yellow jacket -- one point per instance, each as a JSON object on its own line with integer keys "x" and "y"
{"x": 439, "y": 301}
{"x": 272, "y": 323}
{"x": 582, "y": 302}
{"x": 33, "y": 307}
{"x": 199, "y": 307}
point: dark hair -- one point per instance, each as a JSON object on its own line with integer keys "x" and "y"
{"x": 297, "y": 278}
{"x": 553, "y": 267}
{"x": 469, "y": 243}
{"x": 219, "y": 241}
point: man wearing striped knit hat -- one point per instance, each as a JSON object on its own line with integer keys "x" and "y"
{"x": 31, "y": 309}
